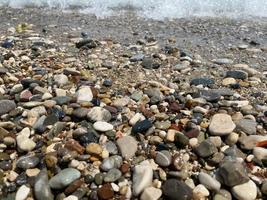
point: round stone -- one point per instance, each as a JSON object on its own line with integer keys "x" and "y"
{"x": 163, "y": 158}
{"x": 245, "y": 191}
{"x": 94, "y": 148}
{"x": 221, "y": 124}
{"x": 151, "y": 193}
{"x": 22, "y": 193}
{"x": 112, "y": 175}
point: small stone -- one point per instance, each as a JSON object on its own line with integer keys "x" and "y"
{"x": 71, "y": 197}
{"x": 142, "y": 126}
{"x": 221, "y": 124}
{"x": 137, "y": 57}
{"x": 223, "y": 61}
{"x": 84, "y": 94}
{"x": 142, "y": 177}
{"x": 112, "y": 175}
{"x": 205, "y": 81}
{"x": 64, "y": 178}
{"x": 209, "y": 182}
{"x": 61, "y": 79}
{"x": 201, "y": 191}
{"x": 135, "y": 119}
{"x": 149, "y": 63}
{"x": 127, "y": 146}
{"x": 22, "y": 193}
{"x": 245, "y": 191}
{"x": 25, "y": 143}
{"x": 111, "y": 148}
{"x": 111, "y": 162}
{"x": 163, "y": 158}
{"x": 237, "y": 74}
{"x": 99, "y": 178}
{"x": 94, "y": 148}
{"x": 99, "y": 114}
{"x": 228, "y": 81}
{"x": 121, "y": 102}
{"x": 163, "y": 125}
{"x": 6, "y": 106}
{"x": 32, "y": 172}
{"x": 233, "y": 173}
{"x": 105, "y": 192}
{"x": 151, "y": 193}
{"x": 26, "y": 162}
{"x": 174, "y": 188}
{"x": 103, "y": 126}
{"x": 170, "y": 137}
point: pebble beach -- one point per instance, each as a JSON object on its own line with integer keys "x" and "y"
{"x": 129, "y": 108}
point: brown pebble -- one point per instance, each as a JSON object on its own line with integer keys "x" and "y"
{"x": 174, "y": 107}
{"x": 125, "y": 168}
{"x": 105, "y": 192}
{"x": 73, "y": 145}
{"x": 193, "y": 133}
{"x": 50, "y": 160}
{"x": 73, "y": 186}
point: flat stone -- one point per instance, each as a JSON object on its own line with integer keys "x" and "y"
{"x": 64, "y": 178}
{"x": 112, "y": 175}
{"x": 102, "y": 126}
{"x": 84, "y": 94}
{"x": 22, "y": 193}
{"x": 221, "y": 124}
{"x": 250, "y": 141}
{"x": 137, "y": 57}
{"x": 42, "y": 190}
{"x": 205, "y": 81}
{"x": 121, "y": 102}
{"x": 163, "y": 158}
{"x": 206, "y": 149}
{"x": 237, "y": 74}
{"x": 260, "y": 153}
{"x": 163, "y": 125}
{"x": 141, "y": 126}
{"x": 151, "y": 193}
{"x": 99, "y": 114}
{"x": 228, "y": 81}
{"x": 233, "y": 173}
{"x": 173, "y": 188}
{"x": 94, "y": 148}
{"x": 248, "y": 126}
{"x": 6, "y": 106}
{"x": 245, "y": 191}
{"x": 223, "y": 61}
{"x": 26, "y": 162}
{"x": 111, "y": 162}
{"x": 105, "y": 192}
{"x": 209, "y": 182}
{"x": 142, "y": 177}
{"x": 127, "y": 146}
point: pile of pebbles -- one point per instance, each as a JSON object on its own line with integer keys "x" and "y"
{"x": 101, "y": 120}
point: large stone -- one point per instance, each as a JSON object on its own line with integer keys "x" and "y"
{"x": 64, "y": 178}
{"x": 245, "y": 191}
{"x": 42, "y": 190}
{"x": 142, "y": 177}
{"x": 247, "y": 126}
{"x": 175, "y": 189}
{"x": 127, "y": 146}
{"x": 233, "y": 173}
{"x": 206, "y": 149}
{"x": 6, "y": 106}
{"x": 221, "y": 124}
{"x": 250, "y": 141}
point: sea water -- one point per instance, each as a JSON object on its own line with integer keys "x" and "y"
{"x": 156, "y": 9}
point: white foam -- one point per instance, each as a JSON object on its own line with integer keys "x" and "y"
{"x": 157, "y": 9}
